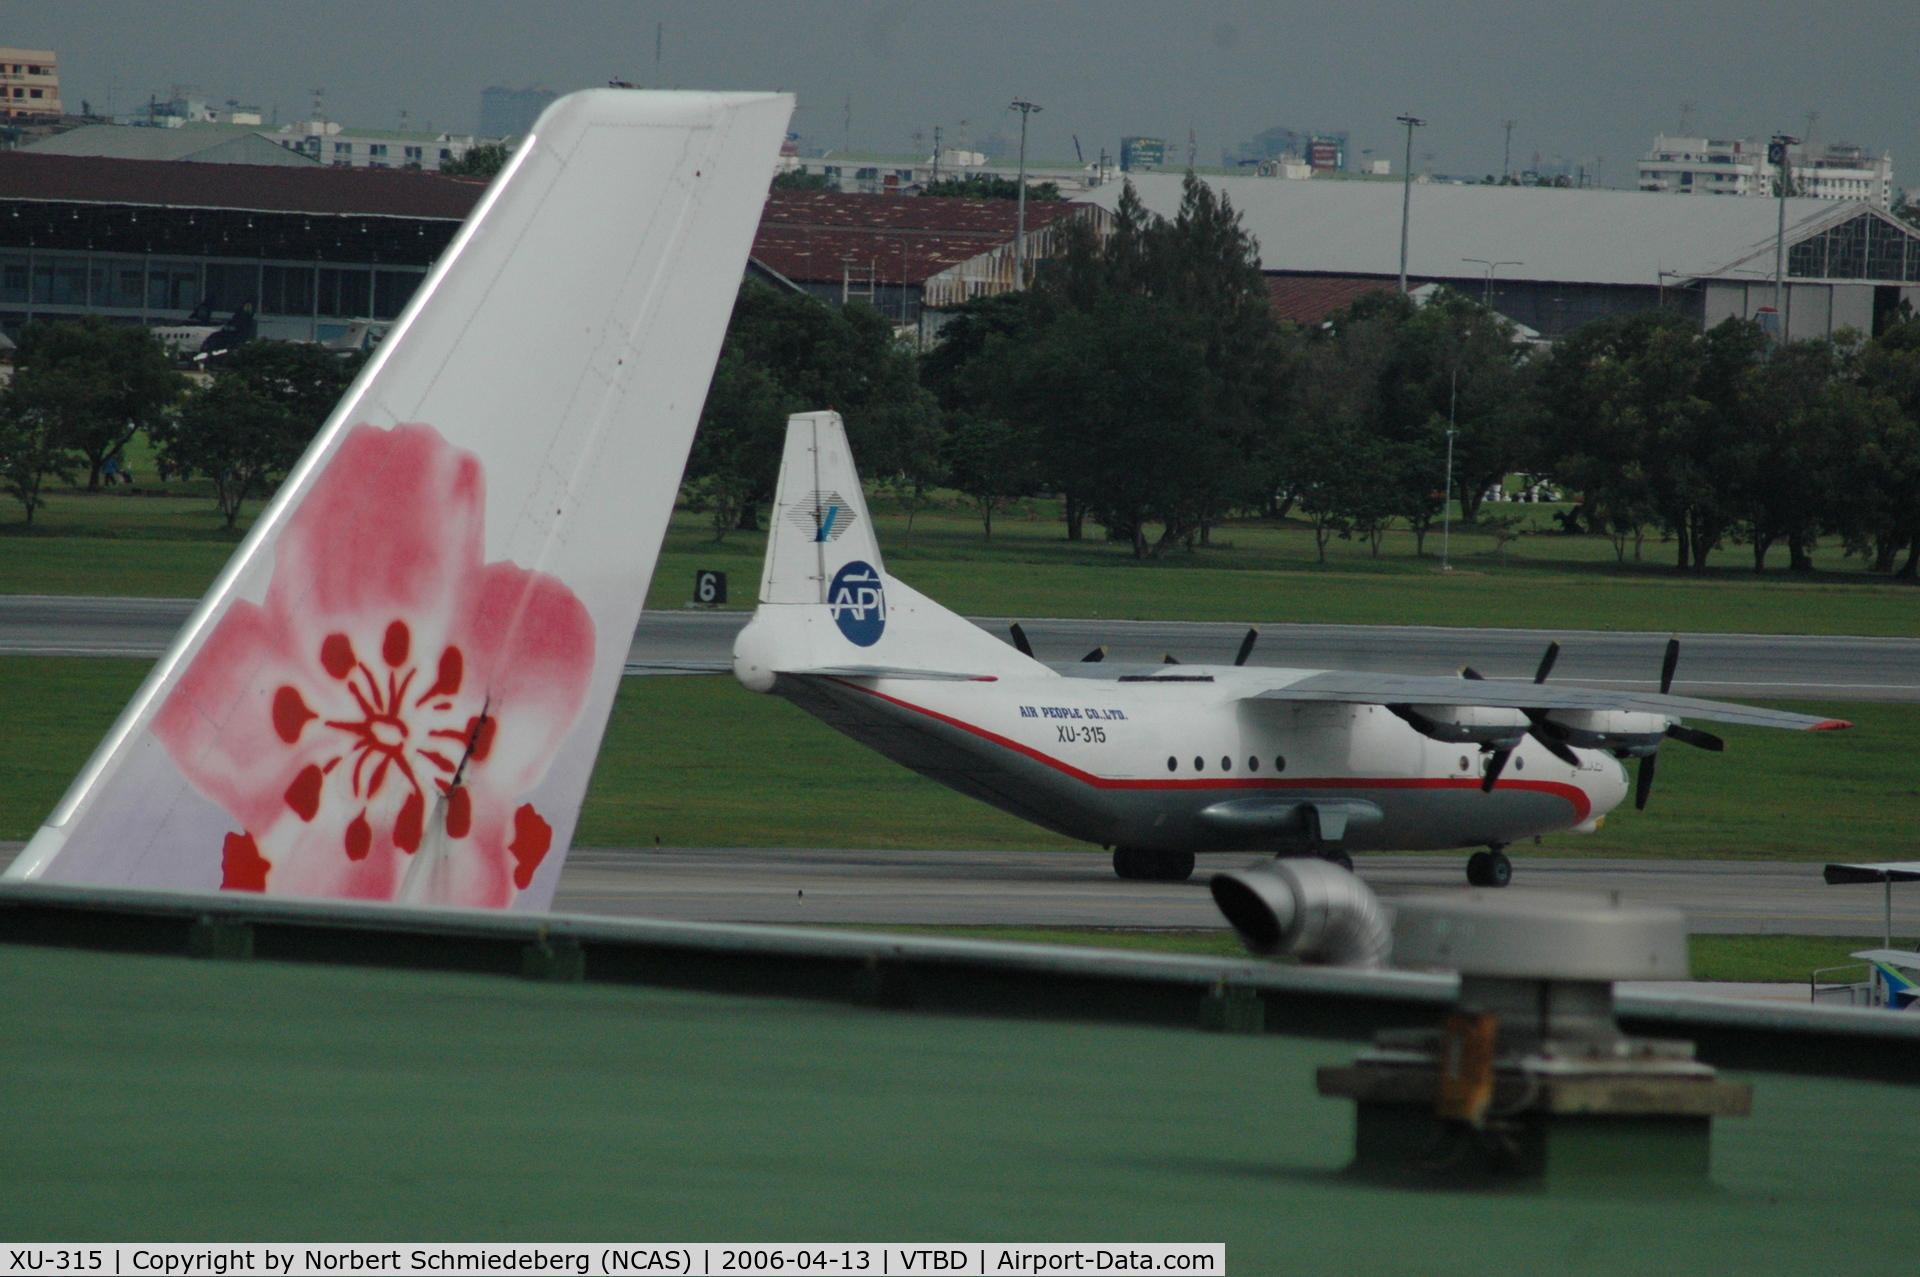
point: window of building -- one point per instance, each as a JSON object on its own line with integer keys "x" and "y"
{"x": 413, "y": 152}
{"x": 391, "y": 289}
{"x": 60, "y": 281}
{"x": 446, "y": 153}
{"x": 118, "y": 282}
{"x": 173, "y": 286}
{"x": 13, "y": 279}
{"x": 345, "y": 294}
{"x": 232, "y": 285}
{"x": 286, "y": 290}
{"x": 343, "y": 148}
{"x": 35, "y": 93}
{"x": 376, "y": 148}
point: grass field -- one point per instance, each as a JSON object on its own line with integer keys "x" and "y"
{"x": 700, "y": 762}
{"x": 166, "y": 540}
{"x": 171, "y": 1099}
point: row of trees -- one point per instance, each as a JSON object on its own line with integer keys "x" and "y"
{"x": 81, "y": 391}
{"x": 1145, "y": 380}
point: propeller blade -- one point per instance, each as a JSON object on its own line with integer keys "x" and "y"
{"x": 1467, "y": 671}
{"x": 1168, "y": 659}
{"x": 1695, "y": 737}
{"x": 1546, "y": 662}
{"x": 1097, "y": 654}
{"x": 1495, "y": 765}
{"x": 1643, "y": 784}
{"x": 1668, "y": 665}
{"x": 1554, "y": 745}
{"x": 1020, "y": 639}
{"x": 1246, "y": 647}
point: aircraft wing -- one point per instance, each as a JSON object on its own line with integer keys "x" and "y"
{"x": 1408, "y": 689}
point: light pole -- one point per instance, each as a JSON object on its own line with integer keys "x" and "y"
{"x": 1406, "y": 193}
{"x": 1486, "y": 297}
{"x": 1777, "y": 154}
{"x": 1446, "y": 494}
{"x": 1026, "y": 109}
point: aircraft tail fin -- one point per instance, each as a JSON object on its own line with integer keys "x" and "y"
{"x": 827, "y": 604}
{"x": 396, "y": 689}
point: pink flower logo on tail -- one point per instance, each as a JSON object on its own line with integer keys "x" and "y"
{"x": 394, "y": 691}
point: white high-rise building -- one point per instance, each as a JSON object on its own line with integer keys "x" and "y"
{"x": 1738, "y": 166}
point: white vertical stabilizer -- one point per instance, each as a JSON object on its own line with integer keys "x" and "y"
{"x": 826, "y": 601}
{"x": 397, "y": 687}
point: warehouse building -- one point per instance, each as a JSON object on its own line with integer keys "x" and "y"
{"x": 1553, "y": 259}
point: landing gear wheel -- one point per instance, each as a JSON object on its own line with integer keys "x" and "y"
{"x": 1138, "y": 864}
{"x": 1335, "y": 856}
{"x": 1489, "y": 869}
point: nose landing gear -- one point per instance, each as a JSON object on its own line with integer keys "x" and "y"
{"x": 1489, "y": 868}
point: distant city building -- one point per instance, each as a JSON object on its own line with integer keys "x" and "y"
{"x": 1142, "y": 154}
{"x": 190, "y": 106}
{"x": 30, "y": 82}
{"x": 342, "y": 146}
{"x": 1738, "y": 166}
{"x": 1271, "y": 150}
{"x": 511, "y": 112}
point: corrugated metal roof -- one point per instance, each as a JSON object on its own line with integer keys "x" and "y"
{"x": 1567, "y": 236}
{"x": 1309, "y": 299}
{"x": 260, "y": 188}
{"x": 201, "y": 144}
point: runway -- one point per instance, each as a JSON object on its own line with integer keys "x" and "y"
{"x": 1738, "y": 666}
{"x": 1078, "y": 889}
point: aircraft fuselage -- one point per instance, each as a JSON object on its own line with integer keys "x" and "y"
{"x": 1185, "y": 759}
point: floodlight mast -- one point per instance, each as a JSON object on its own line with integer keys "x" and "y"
{"x": 1026, "y": 109}
{"x": 1486, "y": 296}
{"x": 1777, "y": 153}
{"x": 1406, "y": 193}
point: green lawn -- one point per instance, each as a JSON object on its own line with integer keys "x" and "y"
{"x": 171, "y": 543}
{"x": 171, "y": 1099}
{"x": 700, "y": 762}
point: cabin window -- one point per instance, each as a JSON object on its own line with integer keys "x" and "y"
{"x": 1253, "y": 763}
{"x": 1199, "y": 764}
{"x": 1279, "y": 762}
{"x": 1173, "y": 764}
{"x": 1226, "y": 764}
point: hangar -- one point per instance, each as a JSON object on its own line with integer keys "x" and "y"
{"x": 1565, "y": 257}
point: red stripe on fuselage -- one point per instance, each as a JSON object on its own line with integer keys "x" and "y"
{"x": 1573, "y": 794}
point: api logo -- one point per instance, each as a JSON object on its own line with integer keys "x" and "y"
{"x": 859, "y": 605}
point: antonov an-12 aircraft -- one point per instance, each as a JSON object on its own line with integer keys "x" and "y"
{"x": 1160, "y": 761}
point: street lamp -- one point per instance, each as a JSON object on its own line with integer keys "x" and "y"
{"x": 1026, "y": 109}
{"x": 1777, "y": 154}
{"x": 1446, "y": 493}
{"x": 1486, "y": 297}
{"x": 1406, "y": 193}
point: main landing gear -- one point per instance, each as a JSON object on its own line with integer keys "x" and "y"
{"x": 1139, "y": 864}
{"x": 1489, "y": 868}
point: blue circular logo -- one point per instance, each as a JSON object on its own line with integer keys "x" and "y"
{"x": 858, "y": 602}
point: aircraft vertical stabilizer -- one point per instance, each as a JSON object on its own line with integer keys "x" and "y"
{"x": 396, "y": 689}
{"x": 826, "y": 601}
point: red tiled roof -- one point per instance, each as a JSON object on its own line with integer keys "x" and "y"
{"x": 1309, "y": 299}
{"x": 254, "y": 187}
{"x": 817, "y": 235}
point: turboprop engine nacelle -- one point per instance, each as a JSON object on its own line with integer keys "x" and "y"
{"x": 1620, "y": 730}
{"x": 1490, "y": 726}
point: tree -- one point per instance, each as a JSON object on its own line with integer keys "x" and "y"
{"x": 801, "y": 180}
{"x": 485, "y": 160}
{"x": 31, "y": 449}
{"x": 237, "y": 437}
{"x": 736, "y": 451}
{"x": 98, "y": 384}
{"x": 813, "y": 356}
{"x": 990, "y": 460}
{"x": 988, "y": 187}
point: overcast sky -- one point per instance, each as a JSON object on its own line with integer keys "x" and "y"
{"x": 1582, "y": 81}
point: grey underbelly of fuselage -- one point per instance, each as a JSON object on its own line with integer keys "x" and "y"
{"x": 1417, "y": 813}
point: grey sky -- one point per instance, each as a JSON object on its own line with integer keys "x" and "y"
{"x": 1596, "y": 79}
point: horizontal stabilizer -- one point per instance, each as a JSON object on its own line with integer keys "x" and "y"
{"x": 890, "y": 671}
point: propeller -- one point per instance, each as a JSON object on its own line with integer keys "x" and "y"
{"x": 1246, "y": 647}
{"x": 1643, "y": 783}
{"x": 1668, "y": 664}
{"x": 1097, "y": 654}
{"x": 1020, "y": 639}
{"x": 1695, "y": 737}
{"x": 1547, "y": 659}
